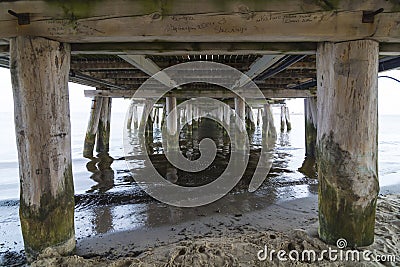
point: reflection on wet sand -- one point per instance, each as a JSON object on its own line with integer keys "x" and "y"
{"x": 127, "y": 206}
{"x": 103, "y": 174}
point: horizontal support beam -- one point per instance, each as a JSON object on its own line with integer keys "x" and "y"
{"x": 195, "y": 48}
{"x": 218, "y": 93}
{"x": 202, "y": 20}
{"x": 201, "y": 48}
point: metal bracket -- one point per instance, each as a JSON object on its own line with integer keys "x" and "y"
{"x": 369, "y": 16}
{"x": 23, "y": 18}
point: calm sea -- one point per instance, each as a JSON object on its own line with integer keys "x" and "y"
{"x": 389, "y": 151}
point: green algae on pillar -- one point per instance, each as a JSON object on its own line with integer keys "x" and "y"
{"x": 104, "y": 127}
{"x": 347, "y": 141}
{"x": 40, "y": 72}
{"x": 310, "y": 120}
{"x": 90, "y": 138}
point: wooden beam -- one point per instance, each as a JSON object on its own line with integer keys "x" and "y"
{"x": 202, "y": 20}
{"x": 149, "y": 67}
{"x": 218, "y": 93}
{"x": 347, "y": 132}
{"x": 39, "y": 70}
{"x": 101, "y": 65}
{"x": 4, "y": 50}
{"x": 195, "y": 48}
{"x": 259, "y": 66}
{"x": 217, "y": 48}
{"x": 201, "y": 48}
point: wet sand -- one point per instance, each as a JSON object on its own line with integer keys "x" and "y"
{"x": 230, "y": 240}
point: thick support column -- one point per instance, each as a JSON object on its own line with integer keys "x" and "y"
{"x": 310, "y": 120}
{"x": 90, "y": 138}
{"x": 40, "y": 71}
{"x": 347, "y": 140}
{"x": 103, "y": 132}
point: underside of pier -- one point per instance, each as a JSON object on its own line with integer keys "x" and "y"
{"x": 328, "y": 52}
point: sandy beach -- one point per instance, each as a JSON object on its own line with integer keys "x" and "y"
{"x": 231, "y": 240}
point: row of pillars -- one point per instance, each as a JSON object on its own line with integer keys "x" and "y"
{"x": 346, "y": 146}
{"x": 189, "y": 115}
{"x": 98, "y": 126}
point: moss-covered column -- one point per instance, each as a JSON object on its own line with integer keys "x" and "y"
{"x": 347, "y": 140}
{"x": 40, "y": 72}
{"x": 310, "y": 124}
{"x": 90, "y": 138}
{"x": 104, "y": 128}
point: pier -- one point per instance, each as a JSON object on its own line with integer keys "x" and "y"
{"x": 327, "y": 52}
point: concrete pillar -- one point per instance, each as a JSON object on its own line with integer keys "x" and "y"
{"x": 40, "y": 72}
{"x": 347, "y": 133}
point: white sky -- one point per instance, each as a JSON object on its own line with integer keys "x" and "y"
{"x": 389, "y": 96}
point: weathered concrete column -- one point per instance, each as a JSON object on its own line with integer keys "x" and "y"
{"x": 347, "y": 140}
{"x": 103, "y": 132}
{"x": 39, "y": 71}
{"x": 90, "y": 138}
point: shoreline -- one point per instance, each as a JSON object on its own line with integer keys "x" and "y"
{"x": 290, "y": 227}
